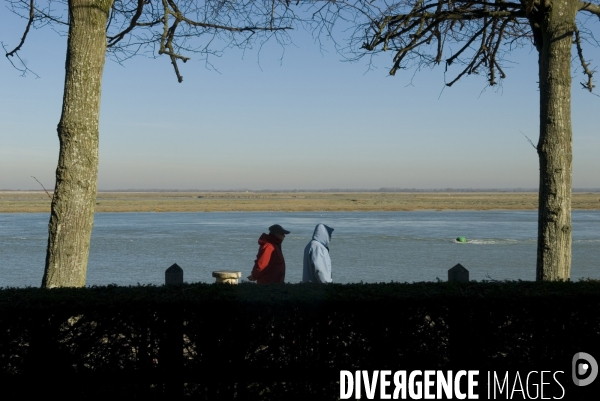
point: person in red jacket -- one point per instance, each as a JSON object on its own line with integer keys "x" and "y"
{"x": 269, "y": 266}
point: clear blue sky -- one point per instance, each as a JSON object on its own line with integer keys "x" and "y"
{"x": 295, "y": 120}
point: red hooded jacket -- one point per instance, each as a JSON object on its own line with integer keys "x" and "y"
{"x": 269, "y": 266}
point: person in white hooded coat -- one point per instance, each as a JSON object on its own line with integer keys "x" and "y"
{"x": 317, "y": 263}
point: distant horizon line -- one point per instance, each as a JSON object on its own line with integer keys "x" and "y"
{"x": 383, "y": 189}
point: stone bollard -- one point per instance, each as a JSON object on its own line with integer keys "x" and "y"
{"x": 174, "y": 275}
{"x": 227, "y": 276}
{"x": 458, "y": 274}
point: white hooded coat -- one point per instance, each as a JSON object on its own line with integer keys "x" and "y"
{"x": 317, "y": 263}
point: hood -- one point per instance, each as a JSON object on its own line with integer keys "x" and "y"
{"x": 268, "y": 238}
{"x": 322, "y": 234}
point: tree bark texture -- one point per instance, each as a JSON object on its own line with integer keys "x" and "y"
{"x": 555, "y": 143}
{"x": 72, "y": 212}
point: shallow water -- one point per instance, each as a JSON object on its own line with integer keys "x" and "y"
{"x": 132, "y": 248}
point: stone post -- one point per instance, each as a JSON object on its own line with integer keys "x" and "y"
{"x": 459, "y": 320}
{"x": 227, "y": 276}
{"x": 458, "y": 274}
{"x": 171, "y": 346}
{"x": 174, "y": 275}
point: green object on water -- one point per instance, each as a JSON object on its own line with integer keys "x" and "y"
{"x": 461, "y": 239}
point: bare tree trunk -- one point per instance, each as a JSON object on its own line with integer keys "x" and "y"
{"x": 555, "y": 143}
{"x": 72, "y": 214}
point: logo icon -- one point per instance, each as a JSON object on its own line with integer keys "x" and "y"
{"x": 584, "y": 365}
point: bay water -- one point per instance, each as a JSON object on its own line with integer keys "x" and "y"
{"x": 369, "y": 247}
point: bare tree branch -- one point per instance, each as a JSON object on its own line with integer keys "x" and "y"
{"x": 29, "y": 22}
{"x": 590, "y": 7}
{"x": 15, "y": 51}
{"x": 589, "y": 85}
{"x": 479, "y": 34}
{"x": 170, "y": 10}
{"x": 204, "y": 27}
{"x": 138, "y": 12}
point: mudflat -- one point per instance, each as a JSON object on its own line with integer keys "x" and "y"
{"x": 39, "y": 201}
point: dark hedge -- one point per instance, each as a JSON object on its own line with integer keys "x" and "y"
{"x": 278, "y": 342}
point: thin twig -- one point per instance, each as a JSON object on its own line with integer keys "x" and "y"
{"x": 42, "y": 187}
{"x": 535, "y": 147}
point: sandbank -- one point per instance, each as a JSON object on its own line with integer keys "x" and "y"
{"x": 39, "y": 201}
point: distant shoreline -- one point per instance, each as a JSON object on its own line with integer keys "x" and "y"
{"x": 296, "y": 201}
{"x": 330, "y": 190}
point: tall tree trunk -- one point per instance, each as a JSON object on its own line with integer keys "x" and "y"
{"x": 72, "y": 213}
{"x": 555, "y": 143}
